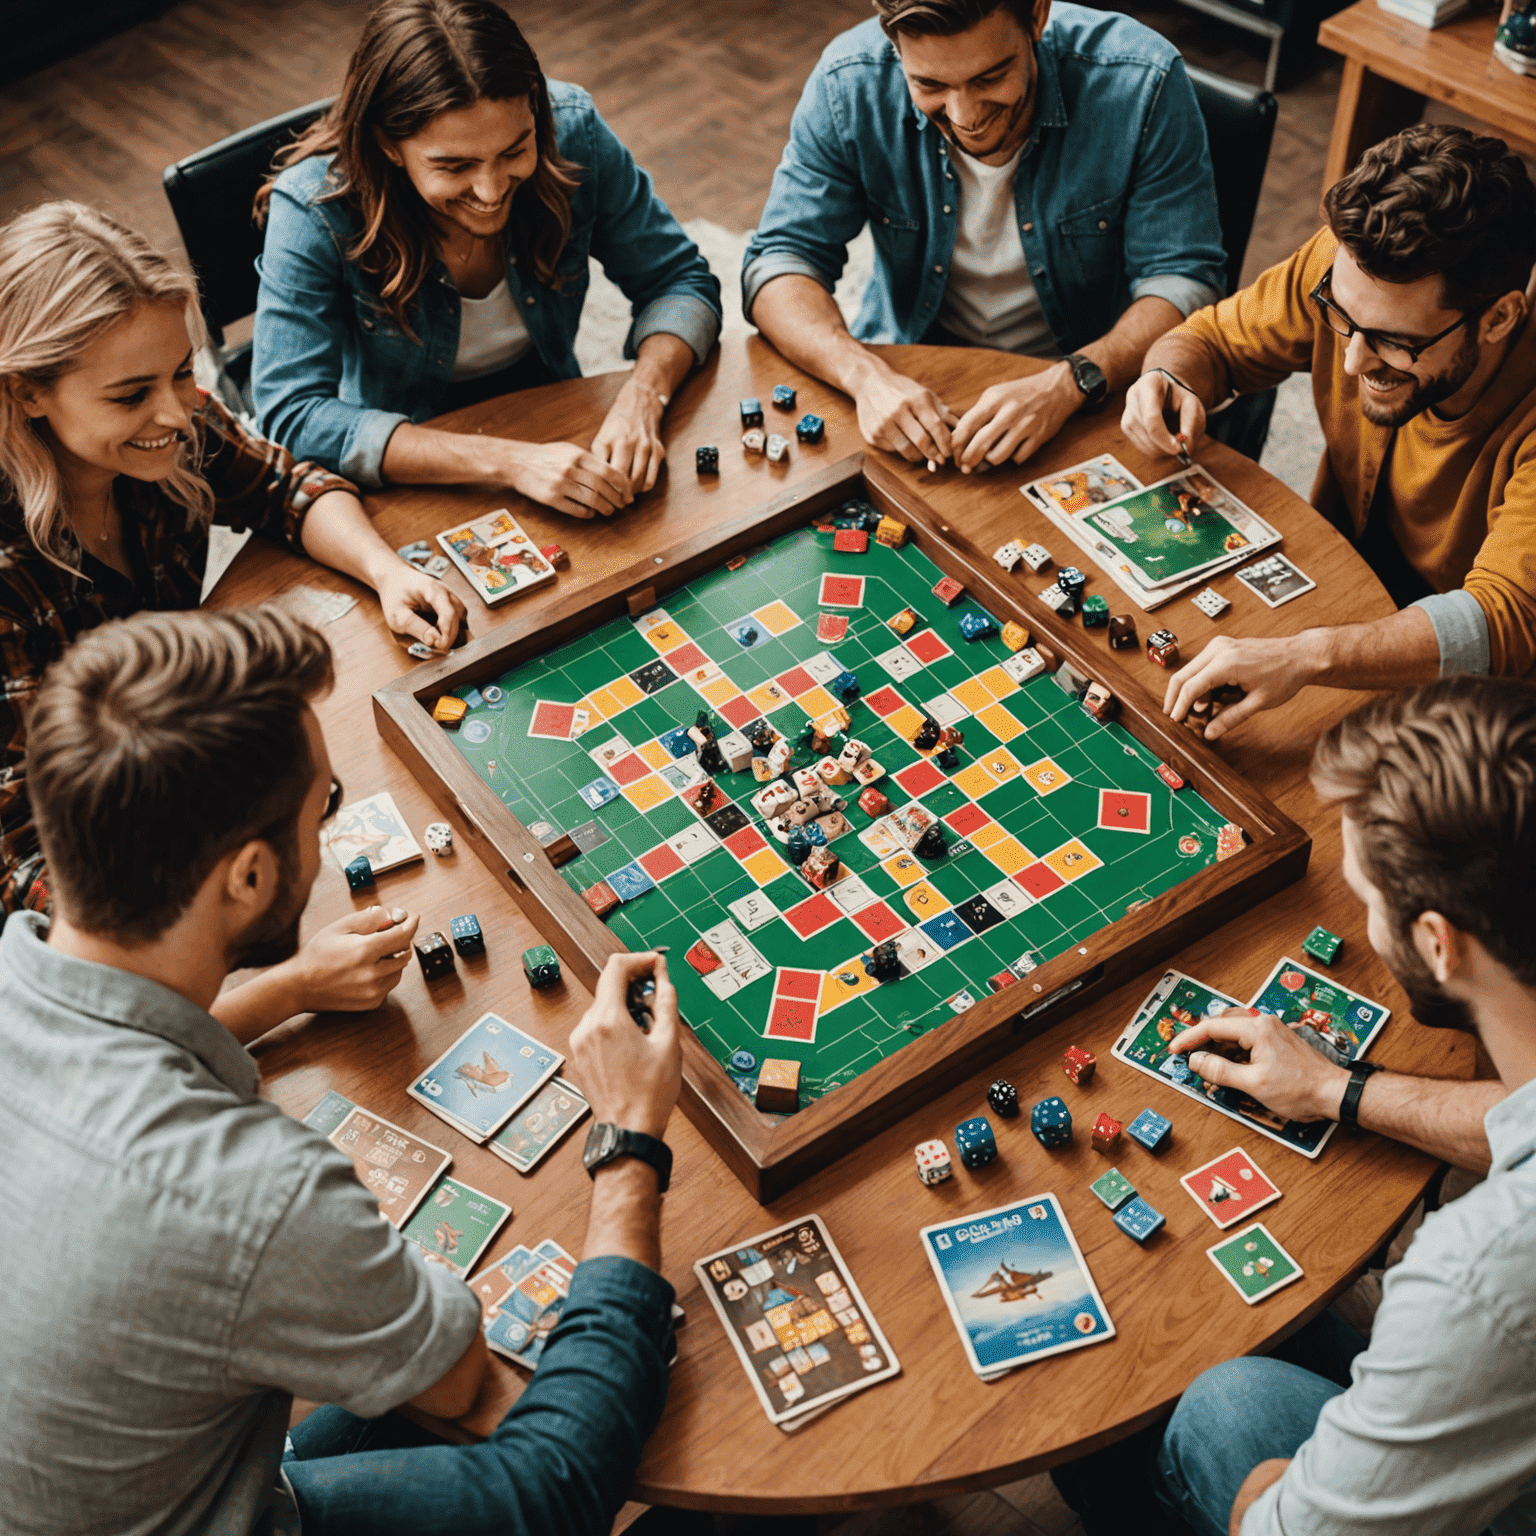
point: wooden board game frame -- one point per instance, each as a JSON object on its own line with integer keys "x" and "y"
{"x": 771, "y": 1154}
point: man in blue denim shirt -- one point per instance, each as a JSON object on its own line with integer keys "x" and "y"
{"x": 1029, "y": 175}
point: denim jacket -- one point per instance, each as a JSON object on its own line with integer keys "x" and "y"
{"x": 332, "y": 374}
{"x": 1114, "y": 190}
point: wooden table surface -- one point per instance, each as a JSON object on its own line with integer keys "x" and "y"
{"x": 935, "y": 1429}
{"x": 1391, "y": 65}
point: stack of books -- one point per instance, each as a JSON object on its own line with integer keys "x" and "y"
{"x": 1427, "y": 13}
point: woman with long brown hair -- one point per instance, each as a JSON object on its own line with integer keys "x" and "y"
{"x": 427, "y": 248}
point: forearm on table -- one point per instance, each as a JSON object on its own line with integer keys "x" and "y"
{"x": 1263, "y": 1476}
{"x": 802, "y": 320}
{"x": 249, "y": 1010}
{"x": 1194, "y": 364}
{"x": 1119, "y": 353}
{"x": 1443, "y": 1117}
{"x": 430, "y": 456}
{"x": 1395, "y": 652}
{"x": 625, "y": 1218}
{"x": 339, "y": 533}
{"x": 661, "y": 364}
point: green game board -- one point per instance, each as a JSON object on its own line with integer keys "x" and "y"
{"x": 1076, "y": 874}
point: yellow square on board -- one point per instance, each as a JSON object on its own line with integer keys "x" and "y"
{"x": 972, "y": 693}
{"x": 906, "y": 722}
{"x": 925, "y": 900}
{"x": 654, "y": 753}
{"x": 984, "y": 837}
{"x": 599, "y": 705}
{"x": 843, "y": 982}
{"x": 997, "y": 682}
{"x": 973, "y": 780}
{"x": 1046, "y": 776}
{"x": 720, "y": 691}
{"x": 1072, "y": 860}
{"x": 999, "y": 722}
{"x": 817, "y": 702}
{"x": 647, "y": 793}
{"x": 626, "y": 694}
{"x": 776, "y": 617}
{"x": 666, "y": 637}
{"x": 767, "y": 696}
{"x": 903, "y": 868}
{"x": 765, "y": 866}
{"x": 1010, "y": 855}
{"x": 1000, "y": 763}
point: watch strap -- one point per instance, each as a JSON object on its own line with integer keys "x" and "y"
{"x": 1349, "y": 1106}
{"x": 1094, "y": 391}
{"x": 607, "y": 1142}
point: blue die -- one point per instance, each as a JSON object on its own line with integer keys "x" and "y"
{"x": 976, "y": 1143}
{"x": 846, "y": 686}
{"x": 1137, "y": 1219}
{"x": 707, "y": 460}
{"x": 976, "y": 626}
{"x": 1150, "y": 1129}
{"x": 816, "y": 835}
{"x": 1051, "y": 1121}
{"x": 784, "y": 397}
{"x": 467, "y": 938}
{"x": 751, "y": 413}
{"x": 810, "y": 429}
{"x": 359, "y": 874}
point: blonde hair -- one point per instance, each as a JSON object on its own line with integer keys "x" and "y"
{"x": 68, "y": 273}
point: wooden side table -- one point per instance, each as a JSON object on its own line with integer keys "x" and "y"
{"x": 1392, "y": 65}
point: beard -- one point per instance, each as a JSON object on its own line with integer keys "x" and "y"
{"x": 274, "y": 936}
{"x": 1427, "y": 392}
{"x": 1427, "y": 999}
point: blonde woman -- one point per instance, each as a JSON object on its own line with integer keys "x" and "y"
{"x": 113, "y": 464}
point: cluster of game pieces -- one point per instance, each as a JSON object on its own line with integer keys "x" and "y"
{"x": 756, "y": 440}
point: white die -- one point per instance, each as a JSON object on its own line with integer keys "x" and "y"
{"x": 1210, "y": 602}
{"x": 933, "y": 1165}
{"x": 1037, "y": 557}
{"x": 754, "y": 440}
{"x": 778, "y": 448}
{"x": 1009, "y": 555}
{"x": 1054, "y": 597}
{"x": 439, "y": 838}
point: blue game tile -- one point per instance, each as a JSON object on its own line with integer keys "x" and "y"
{"x": 746, "y": 632}
{"x": 1137, "y": 1219}
{"x": 599, "y": 792}
{"x": 629, "y": 882}
{"x": 946, "y": 930}
{"x": 677, "y": 741}
{"x": 1150, "y": 1129}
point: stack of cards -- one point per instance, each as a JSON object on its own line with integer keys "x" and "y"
{"x": 375, "y": 829}
{"x": 397, "y": 1167}
{"x": 534, "y": 1129}
{"x": 485, "y": 1076}
{"x": 798, "y": 1323}
{"x": 521, "y": 1298}
{"x": 1016, "y": 1285}
{"x": 499, "y": 559}
{"x": 454, "y": 1225}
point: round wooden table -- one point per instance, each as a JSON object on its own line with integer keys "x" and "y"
{"x": 936, "y": 1429}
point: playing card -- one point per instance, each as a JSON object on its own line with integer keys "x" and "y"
{"x": 499, "y": 559}
{"x": 485, "y": 1076}
{"x": 534, "y": 1130}
{"x": 329, "y": 1113}
{"x": 1331, "y": 1019}
{"x": 528, "y": 1313}
{"x": 1254, "y": 1262}
{"x": 1089, "y": 484}
{"x": 753, "y": 910}
{"x": 1275, "y": 580}
{"x": 397, "y": 1167}
{"x": 373, "y": 828}
{"x": 1230, "y": 1188}
{"x": 899, "y": 662}
{"x": 454, "y": 1225}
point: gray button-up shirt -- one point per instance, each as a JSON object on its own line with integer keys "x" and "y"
{"x": 179, "y": 1260}
{"x": 1437, "y": 1434}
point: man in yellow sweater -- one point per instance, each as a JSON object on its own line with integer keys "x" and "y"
{"x": 1410, "y": 312}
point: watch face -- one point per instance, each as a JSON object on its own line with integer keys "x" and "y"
{"x": 601, "y": 1141}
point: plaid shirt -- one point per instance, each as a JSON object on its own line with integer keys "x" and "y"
{"x": 255, "y": 485}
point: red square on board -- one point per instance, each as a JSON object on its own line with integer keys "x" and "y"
{"x": 746, "y": 842}
{"x": 791, "y": 1018}
{"x": 805, "y": 985}
{"x": 927, "y": 646}
{"x": 795, "y": 682}
{"x": 552, "y": 720}
{"x": 879, "y": 922}
{"x": 919, "y": 778}
{"x": 660, "y": 862}
{"x": 947, "y": 590}
{"x": 1125, "y": 810}
{"x": 967, "y": 820}
{"x": 831, "y": 627}
{"x": 686, "y": 657}
{"x": 739, "y": 711}
{"x": 629, "y": 768}
{"x": 841, "y": 591}
{"x": 810, "y": 917}
{"x": 885, "y": 701}
{"x": 1039, "y": 880}
{"x": 850, "y": 541}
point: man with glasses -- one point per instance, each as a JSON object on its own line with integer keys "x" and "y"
{"x": 1409, "y": 309}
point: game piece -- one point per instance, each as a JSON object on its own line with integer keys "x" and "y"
{"x": 563, "y": 848}
{"x": 832, "y": 771}
{"x": 1321, "y": 945}
{"x": 359, "y": 874}
{"x": 736, "y": 750}
{"x": 601, "y": 898}
{"x": 439, "y": 838}
{"x": 761, "y": 770}
{"x": 556, "y": 556}
{"x": 868, "y": 771}
{"x": 1037, "y": 557}
{"x": 416, "y": 554}
{"x": 1051, "y": 1121}
{"x": 853, "y": 753}
{"x": 751, "y": 412}
{"x": 702, "y": 958}
{"x": 797, "y": 846}
{"x": 1163, "y": 648}
{"x": 778, "y": 1086}
{"x": 882, "y": 963}
{"x": 1229, "y": 840}
{"x": 1078, "y": 1064}
{"x": 1071, "y": 681}
{"x": 1254, "y": 1262}
{"x": 1058, "y": 600}
{"x": 1137, "y": 1219}
{"x": 891, "y": 533}
{"x": 817, "y": 836}
{"x": 640, "y": 999}
{"x": 1122, "y": 632}
{"x": 754, "y": 441}
{"x": 951, "y": 736}
{"x": 467, "y": 937}
{"x": 975, "y": 1142}
{"x": 761, "y": 735}
{"x": 933, "y": 1165}
{"x": 948, "y": 591}
{"x": 1100, "y": 703}
{"x": 873, "y": 803}
{"x": 977, "y": 626}
{"x": 902, "y": 622}
{"x": 1015, "y": 636}
{"x": 821, "y": 868}
{"x": 419, "y": 650}
{"x": 436, "y": 956}
{"x": 1169, "y": 776}
{"x": 706, "y": 461}
{"x": 1000, "y": 980}
{"x": 1009, "y": 555}
{"x": 1071, "y": 579}
{"x": 1106, "y": 1133}
{"x": 845, "y": 686}
{"x": 807, "y": 781}
{"x": 541, "y": 965}
{"x": 927, "y": 736}
{"x": 784, "y": 397}
{"x": 1002, "y": 1095}
{"x": 1095, "y": 612}
{"x": 850, "y": 541}
{"x": 810, "y": 429}
{"x": 704, "y": 798}
{"x": 1150, "y": 1129}
{"x": 931, "y": 845}
{"x": 947, "y": 759}
{"x": 743, "y": 1061}
{"x": 1210, "y": 602}
{"x": 449, "y": 711}
{"x": 778, "y": 448}
{"x": 1113, "y": 1188}
{"x": 779, "y": 755}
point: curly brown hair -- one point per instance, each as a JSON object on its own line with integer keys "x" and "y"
{"x": 416, "y": 59}
{"x": 945, "y": 18}
{"x": 1439, "y": 199}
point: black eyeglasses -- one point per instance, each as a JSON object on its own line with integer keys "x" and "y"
{"x": 1396, "y": 354}
{"x": 333, "y": 801}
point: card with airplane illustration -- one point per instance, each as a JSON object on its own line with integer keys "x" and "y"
{"x": 485, "y": 1077}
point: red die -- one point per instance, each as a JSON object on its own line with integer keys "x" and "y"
{"x": 873, "y": 803}
{"x": 601, "y": 898}
{"x": 1170, "y": 776}
{"x": 1001, "y": 980}
{"x": 1078, "y": 1064}
{"x": 948, "y": 591}
{"x": 1163, "y": 648}
{"x": 1106, "y": 1132}
{"x": 850, "y": 541}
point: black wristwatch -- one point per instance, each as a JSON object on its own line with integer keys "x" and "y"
{"x": 1349, "y": 1108}
{"x": 606, "y": 1142}
{"x": 1089, "y": 378}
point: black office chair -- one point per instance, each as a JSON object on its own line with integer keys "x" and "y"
{"x": 211, "y": 193}
{"x": 1240, "y": 124}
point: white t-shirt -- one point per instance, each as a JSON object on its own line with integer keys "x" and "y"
{"x": 989, "y": 298}
{"x": 491, "y": 334}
